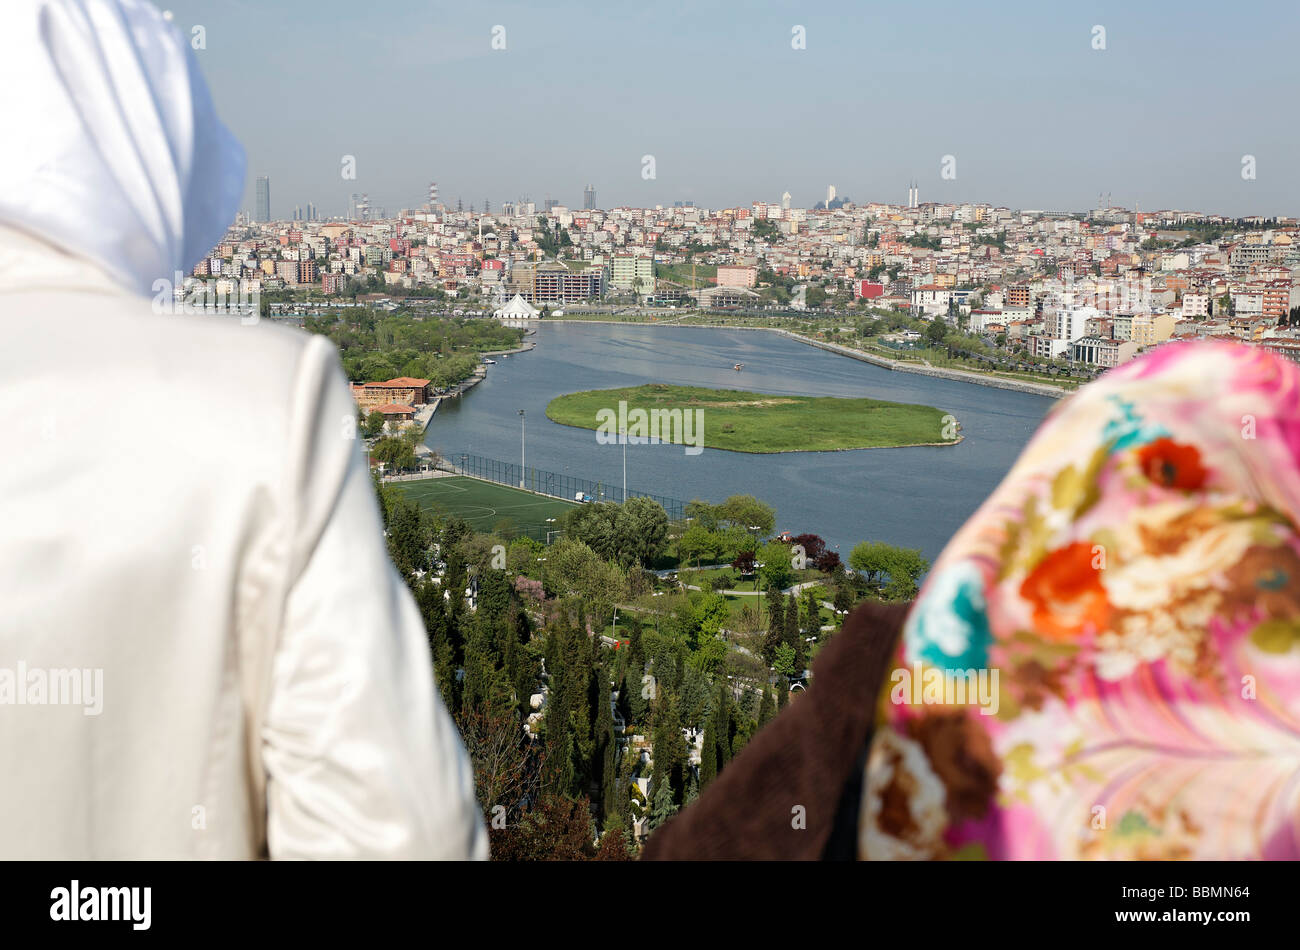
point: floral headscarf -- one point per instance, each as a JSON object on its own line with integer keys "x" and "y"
{"x": 1105, "y": 660}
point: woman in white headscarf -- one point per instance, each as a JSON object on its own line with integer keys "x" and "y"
{"x": 204, "y": 649}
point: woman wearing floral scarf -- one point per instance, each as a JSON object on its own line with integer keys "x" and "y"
{"x": 1105, "y": 661}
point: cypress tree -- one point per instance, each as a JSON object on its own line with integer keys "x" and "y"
{"x": 608, "y": 751}
{"x": 793, "y": 623}
{"x": 766, "y": 709}
{"x": 669, "y": 750}
{"x": 775, "y": 627}
{"x": 791, "y": 634}
{"x": 709, "y": 752}
{"x": 454, "y": 582}
{"x": 812, "y": 613}
{"x": 725, "y": 725}
{"x": 662, "y": 806}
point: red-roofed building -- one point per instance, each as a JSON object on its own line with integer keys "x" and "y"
{"x": 395, "y": 413}
{"x": 402, "y": 391}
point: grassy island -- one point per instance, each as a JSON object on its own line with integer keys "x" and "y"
{"x": 740, "y": 421}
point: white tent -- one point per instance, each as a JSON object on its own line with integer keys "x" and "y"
{"x": 517, "y": 309}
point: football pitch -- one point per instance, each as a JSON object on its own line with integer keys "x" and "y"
{"x": 484, "y": 505}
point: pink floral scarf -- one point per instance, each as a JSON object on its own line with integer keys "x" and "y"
{"x": 1105, "y": 660}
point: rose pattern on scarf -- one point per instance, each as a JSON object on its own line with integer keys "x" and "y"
{"x": 1135, "y": 581}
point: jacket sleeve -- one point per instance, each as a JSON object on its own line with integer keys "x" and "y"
{"x": 361, "y": 757}
{"x": 782, "y": 796}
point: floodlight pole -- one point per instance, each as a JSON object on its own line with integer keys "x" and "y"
{"x": 523, "y": 445}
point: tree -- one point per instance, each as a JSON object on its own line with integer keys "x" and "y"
{"x": 607, "y": 751}
{"x": 784, "y": 662}
{"x": 595, "y": 525}
{"x": 701, "y": 513}
{"x": 775, "y": 569}
{"x": 614, "y": 843}
{"x": 710, "y": 614}
{"x": 408, "y": 537}
{"x": 374, "y": 424}
{"x": 574, "y": 568}
{"x": 766, "y": 709}
{"x": 894, "y": 571}
{"x": 747, "y": 513}
{"x": 828, "y": 562}
{"x": 709, "y": 753}
{"x": 697, "y": 543}
{"x": 813, "y": 546}
{"x": 793, "y": 637}
{"x": 662, "y": 806}
{"x": 394, "y": 452}
{"x": 505, "y": 767}
{"x": 775, "y": 626}
{"x": 670, "y": 751}
{"x": 641, "y": 529}
{"x": 555, "y": 829}
{"x": 744, "y": 562}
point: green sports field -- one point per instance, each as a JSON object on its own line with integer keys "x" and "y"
{"x": 484, "y": 505}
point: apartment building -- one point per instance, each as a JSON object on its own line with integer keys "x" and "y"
{"x": 1097, "y": 351}
{"x": 930, "y": 300}
{"x": 632, "y": 273}
{"x": 1148, "y": 329}
{"x": 1068, "y": 323}
{"x": 1196, "y": 306}
{"x": 555, "y": 284}
{"x": 737, "y": 275}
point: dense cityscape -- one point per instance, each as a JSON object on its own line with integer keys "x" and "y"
{"x": 1093, "y": 288}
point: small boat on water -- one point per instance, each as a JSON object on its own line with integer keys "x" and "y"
{"x": 738, "y": 367}
{"x": 489, "y": 362}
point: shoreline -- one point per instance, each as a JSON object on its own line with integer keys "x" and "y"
{"x": 957, "y": 375}
{"x": 714, "y": 448}
{"x": 580, "y": 419}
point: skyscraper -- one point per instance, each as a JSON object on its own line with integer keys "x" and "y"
{"x": 589, "y": 198}
{"x": 263, "y": 199}
{"x": 830, "y": 195}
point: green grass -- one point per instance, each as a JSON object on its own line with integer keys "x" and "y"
{"x": 739, "y": 421}
{"x": 486, "y": 504}
{"x": 681, "y": 274}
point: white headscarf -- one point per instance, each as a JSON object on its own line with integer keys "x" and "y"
{"x": 112, "y": 149}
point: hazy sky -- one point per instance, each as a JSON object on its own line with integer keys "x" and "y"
{"x": 1034, "y": 116}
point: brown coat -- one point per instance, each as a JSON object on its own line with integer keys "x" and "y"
{"x": 811, "y": 755}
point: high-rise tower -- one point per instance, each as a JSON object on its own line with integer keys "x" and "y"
{"x": 263, "y": 212}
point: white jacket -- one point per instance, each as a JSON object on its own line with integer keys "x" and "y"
{"x": 186, "y": 519}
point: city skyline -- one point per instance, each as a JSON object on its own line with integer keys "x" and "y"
{"x": 1031, "y": 113}
{"x": 360, "y": 208}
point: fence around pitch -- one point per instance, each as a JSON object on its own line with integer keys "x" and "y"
{"x": 556, "y": 484}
